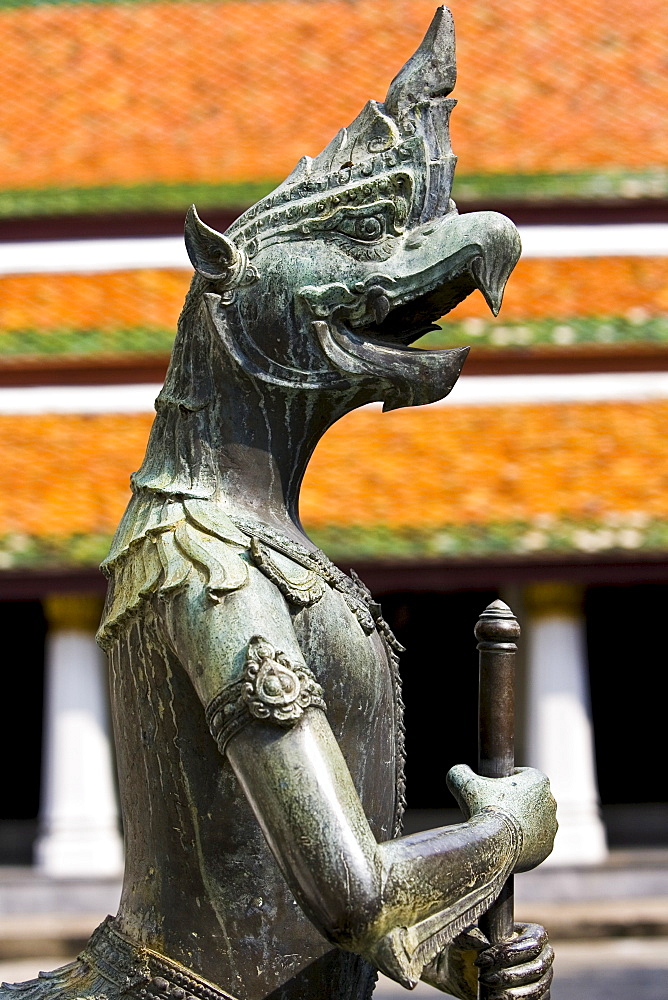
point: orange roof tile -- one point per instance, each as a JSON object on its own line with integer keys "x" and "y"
{"x": 139, "y": 298}
{"x": 579, "y": 286}
{"x": 421, "y": 471}
{"x": 71, "y": 472}
{"x": 130, "y": 93}
{"x": 461, "y": 465}
{"x": 152, "y": 299}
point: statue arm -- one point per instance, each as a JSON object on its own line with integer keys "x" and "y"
{"x": 396, "y": 903}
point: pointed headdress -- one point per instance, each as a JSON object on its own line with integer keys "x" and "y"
{"x": 399, "y": 149}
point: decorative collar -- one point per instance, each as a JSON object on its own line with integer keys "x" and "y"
{"x": 356, "y": 595}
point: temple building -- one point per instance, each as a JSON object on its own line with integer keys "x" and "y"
{"x": 542, "y": 479}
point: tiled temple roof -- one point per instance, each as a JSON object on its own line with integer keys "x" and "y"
{"x": 149, "y": 103}
{"x": 436, "y": 482}
{"x": 143, "y": 104}
{"x": 561, "y": 302}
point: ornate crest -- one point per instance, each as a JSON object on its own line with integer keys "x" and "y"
{"x": 275, "y": 688}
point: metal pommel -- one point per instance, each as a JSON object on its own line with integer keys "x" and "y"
{"x": 497, "y": 628}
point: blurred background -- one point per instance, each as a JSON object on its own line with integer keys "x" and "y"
{"x": 543, "y": 478}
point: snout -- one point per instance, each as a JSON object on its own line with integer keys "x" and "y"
{"x": 439, "y": 265}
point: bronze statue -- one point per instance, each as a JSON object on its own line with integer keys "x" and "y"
{"x": 255, "y": 686}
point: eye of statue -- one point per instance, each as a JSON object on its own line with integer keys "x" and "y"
{"x": 364, "y": 230}
{"x": 370, "y": 229}
{"x": 366, "y": 225}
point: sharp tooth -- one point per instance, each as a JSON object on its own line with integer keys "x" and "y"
{"x": 381, "y": 307}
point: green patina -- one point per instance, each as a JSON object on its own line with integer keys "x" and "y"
{"x": 129, "y": 198}
{"x": 589, "y": 185}
{"x": 471, "y": 541}
{"x": 557, "y": 331}
{"x": 255, "y": 688}
{"x": 28, "y": 552}
{"x": 87, "y": 343}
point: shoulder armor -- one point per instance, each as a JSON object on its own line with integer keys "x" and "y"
{"x": 159, "y": 544}
{"x": 207, "y": 515}
{"x": 299, "y": 585}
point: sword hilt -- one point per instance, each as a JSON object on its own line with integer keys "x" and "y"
{"x": 496, "y": 632}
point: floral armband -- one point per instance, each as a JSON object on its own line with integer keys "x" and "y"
{"x": 272, "y": 688}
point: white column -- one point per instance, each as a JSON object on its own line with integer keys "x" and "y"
{"x": 79, "y": 830}
{"x": 559, "y": 735}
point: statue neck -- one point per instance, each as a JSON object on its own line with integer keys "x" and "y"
{"x": 228, "y": 430}
{"x": 245, "y": 444}
{"x": 266, "y": 441}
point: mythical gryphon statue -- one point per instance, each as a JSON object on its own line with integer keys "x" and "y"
{"x": 255, "y": 686}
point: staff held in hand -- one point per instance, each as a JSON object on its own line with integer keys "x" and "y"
{"x": 514, "y": 960}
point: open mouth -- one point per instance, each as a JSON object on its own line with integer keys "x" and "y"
{"x": 403, "y": 323}
{"x": 465, "y": 253}
{"x": 405, "y": 375}
{"x": 368, "y": 329}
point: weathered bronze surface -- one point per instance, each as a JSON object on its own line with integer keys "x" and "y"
{"x": 255, "y": 687}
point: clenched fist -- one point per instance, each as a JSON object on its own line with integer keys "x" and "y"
{"x": 517, "y": 969}
{"x": 525, "y": 795}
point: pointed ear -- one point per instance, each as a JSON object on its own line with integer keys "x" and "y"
{"x": 212, "y": 254}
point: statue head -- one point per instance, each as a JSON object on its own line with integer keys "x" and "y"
{"x": 308, "y": 305}
{"x": 353, "y": 257}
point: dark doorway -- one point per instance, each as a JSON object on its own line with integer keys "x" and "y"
{"x": 627, "y": 662}
{"x": 440, "y": 683}
{"x": 23, "y": 629}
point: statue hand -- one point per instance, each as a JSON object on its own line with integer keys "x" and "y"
{"x": 520, "y": 968}
{"x": 525, "y": 795}
{"x": 454, "y": 970}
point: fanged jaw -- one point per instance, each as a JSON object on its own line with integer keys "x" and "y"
{"x": 404, "y": 376}
{"x": 463, "y": 253}
{"x": 439, "y": 265}
{"x": 404, "y": 319}
{"x": 367, "y": 330}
